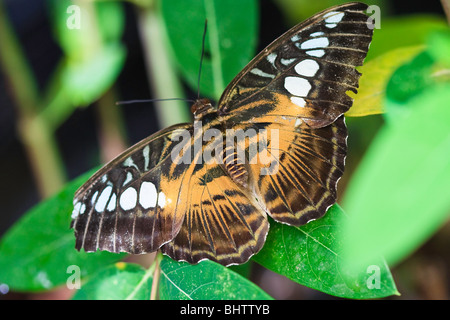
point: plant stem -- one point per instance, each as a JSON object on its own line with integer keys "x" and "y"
{"x": 161, "y": 74}
{"x": 111, "y": 131}
{"x": 155, "y": 281}
{"x": 446, "y": 6}
{"x": 213, "y": 36}
{"x": 39, "y": 143}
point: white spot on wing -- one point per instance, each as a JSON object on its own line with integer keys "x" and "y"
{"x": 307, "y": 68}
{"x": 128, "y": 199}
{"x": 271, "y": 58}
{"x": 128, "y": 178}
{"x": 76, "y": 210}
{"x": 295, "y": 38}
{"x": 299, "y": 102}
{"x": 333, "y": 17}
{"x": 317, "y": 34}
{"x": 297, "y": 86}
{"x": 146, "y": 154}
{"x": 261, "y": 73}
{"x": 103, "y": 199}
{"x": 321, "y": 42}
{"x": 94, "y": 197}
{"x": 130, "y": 163}
{"x": 161, "y": 199}
{"x": 316, "y": 53}
{"x": 287, "y": 61}
{"x": 148, "y": 195}
{"x": 112, "y": 203}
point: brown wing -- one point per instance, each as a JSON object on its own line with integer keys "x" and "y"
{"x": 130, "y": 205}
{"x": 222, "y": 222}
{"x": 161, "y": 192}
{"x": 293, "y": 169}
{"x": 312, "y": 65}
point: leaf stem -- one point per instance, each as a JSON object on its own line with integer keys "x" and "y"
{"x": 37, "y": 138}
{"x": 161, "y": 73}
{"x": 144, "y": 279}
{"x": 112, "y": 130}
{"x": 446, "y": 6}
{"x": 216, "y": 57}
{"x": 156, "y": 273}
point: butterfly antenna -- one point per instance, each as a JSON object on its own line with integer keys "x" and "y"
{"x": 151, "y": 100}
{"x": 201, "y": 59}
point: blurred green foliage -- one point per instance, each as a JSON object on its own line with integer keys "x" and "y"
{"x": 398, "y": 197}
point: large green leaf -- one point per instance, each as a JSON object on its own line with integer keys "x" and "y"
{"x": 121, "y": 281}
{"x": 230, "y": 39}
{"x": 439, "y": 46}
{"x": 37, "y": 251}
{"x": 86, "y": 80}
{"x": 405, "y": 31}
{"x": 399, "y": 194}
{"x": 206, "y": 280}
{"x": 375, "y": 77}
{"x": 89, "y": 33}
{"x": 82, "y": 28}
{"x": 311, "y": 256}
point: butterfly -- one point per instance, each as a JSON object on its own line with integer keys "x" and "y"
{"x": 274, "y": 146}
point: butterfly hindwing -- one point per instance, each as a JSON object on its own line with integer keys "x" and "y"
{"x": 304, "y": 167}
{"x": 222, "y": 222}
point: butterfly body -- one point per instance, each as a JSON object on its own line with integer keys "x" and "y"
{"x": 275, "y": 145}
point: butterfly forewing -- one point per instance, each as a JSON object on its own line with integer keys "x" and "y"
{"x": 308, "y": 69}
{"x": 130, "y": 204}
{"x": 289, "y": 103}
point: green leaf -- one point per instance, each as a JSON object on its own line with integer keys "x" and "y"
{"x": 439, "y": 46}
{"x": 311, "y": 256}
{"x": 410, "y": 79}
{"x": 206, "y": 280}
{"x": 86, "y": 80}
{"x": 36, "y": 252}
{"x": 398, "y": 196}
{"x": 406, "y": 31}
{"x": 121, "y": 281}
{"x": 82, "y": 28}
{"x": 89, "y": 34}
{"x": 230, "y": 39}
{"x": 376, "y": 74}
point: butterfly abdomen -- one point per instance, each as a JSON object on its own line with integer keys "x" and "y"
{"x": 234, "y": 165}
